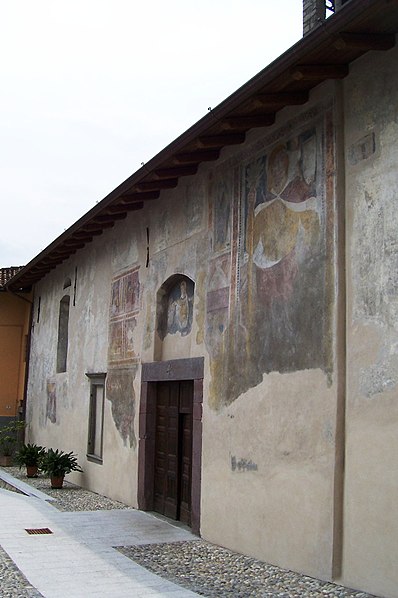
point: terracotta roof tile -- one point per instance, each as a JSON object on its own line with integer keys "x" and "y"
{"x": 7, "y": 273}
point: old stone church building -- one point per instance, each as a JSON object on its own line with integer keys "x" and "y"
{"x": 217, "y": 339}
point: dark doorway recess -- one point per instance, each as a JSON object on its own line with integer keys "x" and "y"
{"x": 170, "y": 445}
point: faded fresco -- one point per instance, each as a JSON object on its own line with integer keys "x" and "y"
{"x": 51, "y": 405}
{"x": 193, "y": 207}
{"x": 125, "y": 306}
{"x": 217, "y": 300}
{"x": 175, "y": 222}
{"x": 278, "y": 318}
{"x": 120, "y": 392}
{"x": 176, "y": 308}
{"x": 221, "y": 190}
{"x": 375, "y": 276}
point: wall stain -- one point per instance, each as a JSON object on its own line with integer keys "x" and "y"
{"x": 120, "y": 393}
{"x": 51, "y": 406}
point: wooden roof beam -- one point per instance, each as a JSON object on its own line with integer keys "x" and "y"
{"x": 47, "y": 261}
{"x": 279, "y": 100}
{"x": 219, "y": 141}
{"x": 364, "y": 41}
{"x": 65, "y": 252}
{"x": 248, "y": 122}
{"x": 75, "y": 243}
{"x": 131, "y": 196}
{"x": 157, "y": 185}
{"x": 87, "y": 238}
{"x": 94, "y": 226}
{"x": 83, "y": 234}
{"x": 122, "y": 207}
{"x": 131, "y": 206}
{"x": 177, "y": 171}
{"x": 319, "y": 72}
{"x": 38, "y": 269}
{"x": 105, "y": 218}
{"x": 196, "y": 156}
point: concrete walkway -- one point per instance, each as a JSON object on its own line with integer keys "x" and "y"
{"x": 77, "y": 560}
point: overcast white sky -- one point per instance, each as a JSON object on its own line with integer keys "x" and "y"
{"x": 92, "y": 88}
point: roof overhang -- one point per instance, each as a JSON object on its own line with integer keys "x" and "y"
{"x": 361, "y": 26}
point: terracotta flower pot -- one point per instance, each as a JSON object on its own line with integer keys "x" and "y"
{"x": 31, "y": 471}
{"x": 57, "y": 481}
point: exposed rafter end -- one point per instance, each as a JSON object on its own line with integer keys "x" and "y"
{"x": 219, "y": 141}
{"x": 248, "y": 122}
{"x": 108, "y": 218}
{"x": 196, "y": 156}
{"x": 94, "y": 226}
{"x": 157, "y": 185}
{"x": 277, "y": 101}
{"x": 319, "y": 72}
{"x": 177, "y": 171}
{"x": 133, "y": 197}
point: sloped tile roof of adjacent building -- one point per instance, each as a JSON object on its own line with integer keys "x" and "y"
{"x": 7, "y": 273}
{"x": 323, "y": 54}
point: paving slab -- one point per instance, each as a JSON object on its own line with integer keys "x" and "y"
{"x": 77, "y": 558}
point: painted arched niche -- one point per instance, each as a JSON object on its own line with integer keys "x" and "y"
{"x": 174, "y": 318}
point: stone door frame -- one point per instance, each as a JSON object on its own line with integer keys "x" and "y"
{"x": 163, "y": 371}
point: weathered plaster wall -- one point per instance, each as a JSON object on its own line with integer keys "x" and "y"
{"x": 58, "y": 404}
{"x": 270, "y": 416}
{"x": 112, "y": 322}
{"x": 371, "y": 484}
{"x": 255, "y": 234}
{"x": 268, "y": 472}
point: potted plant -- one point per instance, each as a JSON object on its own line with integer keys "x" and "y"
{"x": 57, "y": 464}
{"x": 9, "y": 439}
{"x": 30, "y": 455}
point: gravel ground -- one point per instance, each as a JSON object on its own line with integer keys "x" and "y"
{"x": 206, "y": 569}
{"x": 70, "y": 497}
{"x": 13, "y": 584}
{"x": 215, "y": 572}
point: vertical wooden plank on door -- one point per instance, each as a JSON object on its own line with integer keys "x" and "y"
{"x": 186, "y": 397}
{"x": 172, "y": 473}
{"x": 160, "y": 465}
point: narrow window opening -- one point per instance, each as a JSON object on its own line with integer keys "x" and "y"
{"x": 96, "y": 417}
{"x": 38, "y": 309}
{"x": 147, "y": 248}
{"x": 74, "y": 288}
{"x": 63, "y": 325}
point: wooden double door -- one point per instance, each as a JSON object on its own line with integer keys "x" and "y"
{"x": 173, "y": 450}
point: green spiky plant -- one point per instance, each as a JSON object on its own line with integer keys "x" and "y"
{"x": 57, "y": 464}
{"x": 30, "y": 456}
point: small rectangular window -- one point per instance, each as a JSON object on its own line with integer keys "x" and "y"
{"x": 96, "y": 417}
